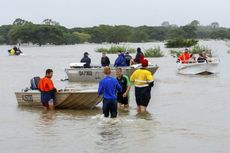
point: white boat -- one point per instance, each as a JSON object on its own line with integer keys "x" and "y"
{"x": 199, "y": 68}
{"x": 76, "y": 72}
{"x": 64, "y": 100}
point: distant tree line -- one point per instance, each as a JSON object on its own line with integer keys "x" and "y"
{"x": 51, "y": 32}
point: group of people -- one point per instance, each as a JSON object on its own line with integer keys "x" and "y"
{"x": 115, "y": 91}
{"x": 187, "y": 57}
{"x": 123, "y": 59}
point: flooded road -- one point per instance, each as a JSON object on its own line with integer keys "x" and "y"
{"x": 186, "y": 113}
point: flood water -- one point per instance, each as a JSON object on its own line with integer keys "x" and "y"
{"x": 187, "y": 114}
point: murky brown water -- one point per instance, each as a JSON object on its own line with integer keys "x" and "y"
{"x": 187, "y": 113}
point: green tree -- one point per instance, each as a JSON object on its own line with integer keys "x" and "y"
{"x": 165, "y": 24}
{"x": 20, "y": 21}
{"x": 50, "y": 22}
{"x": 195, "y": 23}
{"x": 81, "y": 37}
{"x": 139, "y": 36}
{"x": 215, "y": 25}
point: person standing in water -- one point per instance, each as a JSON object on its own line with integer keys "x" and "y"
{"x": 123, "y": 96}
{"x": 143, "y": 81}
{"x": 108, "y": 87}
{"x": 48, "y": 90}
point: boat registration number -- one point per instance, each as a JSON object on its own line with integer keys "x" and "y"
{"x": 27, "y": 98}
{"x": 85, "y": 73}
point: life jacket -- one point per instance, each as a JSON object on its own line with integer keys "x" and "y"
{"x": 12, "y": 51}
{"x": 46, "y": 85}
{"x": 34, "y": 83}
{"x": 184, "y": 57}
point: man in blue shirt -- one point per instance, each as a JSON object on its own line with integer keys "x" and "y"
{"x": 121, "y": 60}
{"x": 108, "y": 87}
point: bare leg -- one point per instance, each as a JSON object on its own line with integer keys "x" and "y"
{"x": 142, "y": 109}
{"x": 138, "y": 109}
{"x": 126, "y": 107}
{"x": 51, "y": 107}
{"x": 119, "y": 105}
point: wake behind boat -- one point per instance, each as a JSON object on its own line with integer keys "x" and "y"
{"x": 87, "y": 99}
{"x": 198, "y": 68}
{"x": 77, "y": 72}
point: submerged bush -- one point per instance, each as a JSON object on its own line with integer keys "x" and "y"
{"x": 153, "y": 52}
{"x": 115, "y": 49}
{"x": 176, "y": 43}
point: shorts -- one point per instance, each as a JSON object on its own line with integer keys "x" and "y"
{"x": 121, "y": 99}
{"x": 47, "y": 98}
{"x": 143, "y": 95}
{"x": 109, "y": 107}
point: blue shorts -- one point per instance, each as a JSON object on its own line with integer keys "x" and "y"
{"x": 47, "y": 98}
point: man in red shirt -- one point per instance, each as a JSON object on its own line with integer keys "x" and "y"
{"x": 184, "y": 57}
{"x": 47, "y": 89}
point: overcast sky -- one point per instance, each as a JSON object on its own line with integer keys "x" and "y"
{"x": 87, "y": 13}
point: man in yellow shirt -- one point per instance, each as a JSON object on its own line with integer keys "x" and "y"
{"x": 143, "y": 81}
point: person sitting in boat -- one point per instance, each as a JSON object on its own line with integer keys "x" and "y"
{"x": 128, "y": 58}
{"x": 184, "y": 57}
{"x": 202, "y": 58}
{"x": 46, "y": 86}
{"x": 105, "y": 60}
{"x": 192, "y": 59}
{"x": 86, "y": 60}
{"x": 139, "y": 57}
{"x": 120, "y": 61}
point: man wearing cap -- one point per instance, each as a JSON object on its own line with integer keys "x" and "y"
{"x": 184, "y": 57}
{"x": 143, "y": 81}
{"x": 86, "y": 60}
{"x": 108, "y": 87}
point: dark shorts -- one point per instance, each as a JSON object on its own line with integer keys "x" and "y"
{"x": 121, "y": 99}
{"x": 143, "y": 95}
{"x": 47, "y": 98}
{"x": 110, "y": 107}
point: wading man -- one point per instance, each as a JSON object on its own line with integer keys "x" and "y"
{"x": 123, "y": 96}
{"x": 143, "y": 81}
{"x": 47, "y": 89}
{"x": 108, "y": 87}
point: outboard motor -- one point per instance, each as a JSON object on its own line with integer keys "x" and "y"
{"x": 34, "y": 83}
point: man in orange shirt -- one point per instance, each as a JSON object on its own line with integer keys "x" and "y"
{"x": 47, "y": 89}
{"x": 184, "y": 57}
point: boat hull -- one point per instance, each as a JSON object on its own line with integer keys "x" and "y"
{"x": 198, "y": 68}
{"x": 63, "y": 100}
{"x": 96, "y": 74}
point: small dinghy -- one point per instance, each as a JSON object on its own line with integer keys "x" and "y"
{"x": 87, "y": 99}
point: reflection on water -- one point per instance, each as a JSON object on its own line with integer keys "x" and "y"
{"x": 187, "y": 113}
